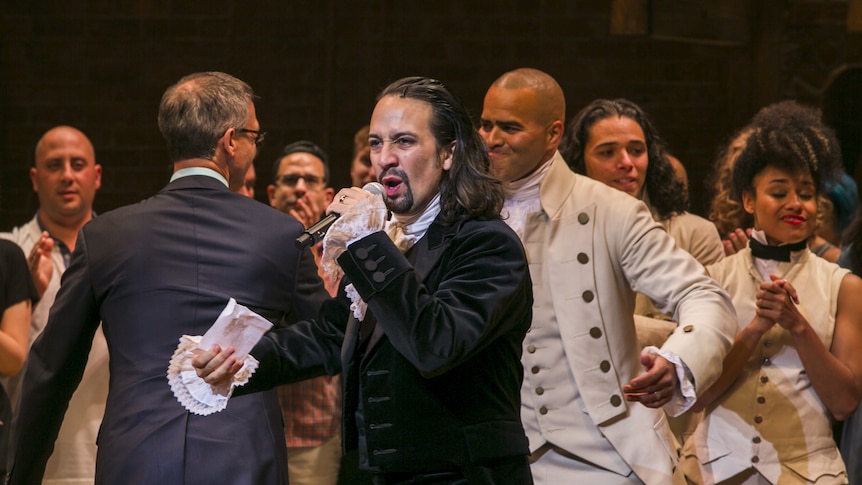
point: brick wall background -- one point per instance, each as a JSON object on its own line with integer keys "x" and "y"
{"x": 101, "y": 65}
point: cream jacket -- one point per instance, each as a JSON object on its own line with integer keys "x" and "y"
{"x": 601, "y": 246}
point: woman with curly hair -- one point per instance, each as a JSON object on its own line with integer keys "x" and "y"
{"x": 794, "y": 367}
{"x": 732, "y": 222}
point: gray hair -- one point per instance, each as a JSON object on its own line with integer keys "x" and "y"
{"x": 197, "y": 110}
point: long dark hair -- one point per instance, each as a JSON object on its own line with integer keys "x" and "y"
{"x": 467, "y": 188}
{"x": 666, "y": 191}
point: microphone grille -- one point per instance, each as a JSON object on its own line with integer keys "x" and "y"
{"x": 375, "y": 188}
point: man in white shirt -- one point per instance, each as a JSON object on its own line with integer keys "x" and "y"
{"x": 65, "y": 177}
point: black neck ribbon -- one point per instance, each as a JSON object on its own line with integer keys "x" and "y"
{"x": 775, "y": 253}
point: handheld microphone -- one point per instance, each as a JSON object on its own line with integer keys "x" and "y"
{"x": 314, "y": 234}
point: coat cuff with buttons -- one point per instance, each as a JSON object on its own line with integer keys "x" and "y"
{"x": 373, "y": 263}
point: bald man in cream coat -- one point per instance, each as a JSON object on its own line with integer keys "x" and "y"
{"x": 591, "y": 399}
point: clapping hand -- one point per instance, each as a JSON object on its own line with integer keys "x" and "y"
{"x": 40, "y": 264}
{"x": 777, "y": 300}
{"x": 736, "y": 241}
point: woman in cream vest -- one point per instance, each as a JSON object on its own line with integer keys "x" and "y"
{"x": 794, "y": 367}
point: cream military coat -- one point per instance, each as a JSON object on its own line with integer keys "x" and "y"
{"x": 600, "y": 246}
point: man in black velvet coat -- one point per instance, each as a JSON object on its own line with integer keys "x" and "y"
{"x": 432, "y": 372}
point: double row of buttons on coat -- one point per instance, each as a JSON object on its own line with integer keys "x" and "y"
{"x": 604, "y": 366}
{"x": 595, "y": 332}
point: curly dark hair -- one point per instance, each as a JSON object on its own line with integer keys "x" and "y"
{"x": 724, "y": 210}
{"x": 666, "y": 192}
{"x": 467, "y": 188}
{"x": 790, "y": 137}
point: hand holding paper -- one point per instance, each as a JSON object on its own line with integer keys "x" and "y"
{"x": 236, "y": 327}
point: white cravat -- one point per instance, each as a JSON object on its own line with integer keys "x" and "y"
{"x": 522, "y": 199}
{"x": 405, "y": 231}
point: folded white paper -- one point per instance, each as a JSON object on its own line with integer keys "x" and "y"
{"x": 237, "y": 326}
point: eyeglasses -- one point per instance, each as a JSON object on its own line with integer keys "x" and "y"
{"x": 292, "y": 180}
{"x": 256, "y": 136}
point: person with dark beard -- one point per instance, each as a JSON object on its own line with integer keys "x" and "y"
{"x": 436, "y": 303}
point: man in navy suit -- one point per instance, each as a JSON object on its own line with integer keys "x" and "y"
{"x": 432, "y": 370}
{"x": 159, "y": 269}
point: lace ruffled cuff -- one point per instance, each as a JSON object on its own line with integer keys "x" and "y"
{"x": 193, "y": 392}
{"x": 363, "y": 218}
{"x": 236, "y": 326}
